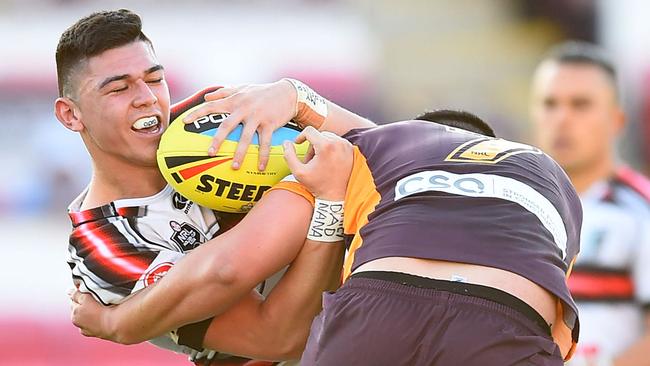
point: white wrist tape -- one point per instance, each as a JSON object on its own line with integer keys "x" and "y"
{"x": 311, "y": 108}
{"x": 326, "y": 222}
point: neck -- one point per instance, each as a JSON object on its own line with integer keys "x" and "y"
{"x": 121, "y": 181}
{"x": 584, "y": 177}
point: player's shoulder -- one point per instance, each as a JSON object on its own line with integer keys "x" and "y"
{"x": 191, "y": 101}
{"x": 125, "y": 208}
{"x": 634, "y": 181}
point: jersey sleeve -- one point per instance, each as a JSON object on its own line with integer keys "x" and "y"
{"x": 289, "y": 183}
{"x": 110, "y": 260}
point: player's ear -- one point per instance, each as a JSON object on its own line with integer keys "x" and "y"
{"x": 68, "y": 114}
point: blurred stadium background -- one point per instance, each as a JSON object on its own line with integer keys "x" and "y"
{"x": 387, "y": 60}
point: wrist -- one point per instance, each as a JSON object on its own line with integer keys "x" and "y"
{"x": 287, "y": 88}
{"x": 113, "y": 329}
{"x": 327, "y": 221}
{"x": 311, "y": 108}
{"x": 110, "y": 326}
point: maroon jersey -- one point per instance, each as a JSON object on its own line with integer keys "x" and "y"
{"x": 424, "y": 190}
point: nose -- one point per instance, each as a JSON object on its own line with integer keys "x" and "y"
{"x": 144, "y": 96}
{"x": 563, "y": 117}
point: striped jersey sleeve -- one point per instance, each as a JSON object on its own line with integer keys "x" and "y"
{"x": 110, "y": 259}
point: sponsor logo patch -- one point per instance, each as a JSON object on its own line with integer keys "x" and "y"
{"x": 489, "y": 150}
{"x": 205, "y": 123}
{"x": 157, "y": 273}
{"x": 488, "y": 185}
{"x": 185, "y": 235}
{"x": 180, "y": 202}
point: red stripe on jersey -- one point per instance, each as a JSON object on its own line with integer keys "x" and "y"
{"x": 634, "y": 180}
{"x": 600, "y": 286}
{"x": 100, "y": 245}
{"x": 83, "y": 216}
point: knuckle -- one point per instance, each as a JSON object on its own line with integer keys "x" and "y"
{"x": 240, "y": 152}
{"x": 264, "y": 153}
{"x": 228, "y": 122}
{"x": 327, "y": 146}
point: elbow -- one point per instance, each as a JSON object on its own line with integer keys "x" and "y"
{"x": 218, "y": 273}
{"x": 291, "y": 348}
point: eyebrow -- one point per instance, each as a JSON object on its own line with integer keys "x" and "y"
{"x": 111, "y": 79}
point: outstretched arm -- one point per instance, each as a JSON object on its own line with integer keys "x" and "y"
{"x": 214, "y": 276}
{"x": 264, "y": 108}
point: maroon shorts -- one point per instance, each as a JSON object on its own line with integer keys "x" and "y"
{"x": 388, "y": 318}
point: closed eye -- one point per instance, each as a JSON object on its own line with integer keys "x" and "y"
{"x": 119, "y": 89}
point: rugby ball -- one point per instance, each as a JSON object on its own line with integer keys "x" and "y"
{"x": 209, "y": 180}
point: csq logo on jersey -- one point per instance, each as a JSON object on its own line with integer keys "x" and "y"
{"x": 487, "y": 186}
{"x": 185, "y": 235}
{"x": 181, "y": 203}
{"x": 489, "y": 150}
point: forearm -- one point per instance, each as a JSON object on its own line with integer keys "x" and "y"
{"x": 289, "y": 310}
{"x": 277, "y": 328}
{"x": 339, "y": 120}
{"x": 316, "y": 111}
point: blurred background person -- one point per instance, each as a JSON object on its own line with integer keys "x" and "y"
{"x": 578, "y": 116}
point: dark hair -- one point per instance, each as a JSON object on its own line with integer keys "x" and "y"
{"x": 91, "y": 36}
{"x": 580, "y": 52}
{"x": 459, "y": 119}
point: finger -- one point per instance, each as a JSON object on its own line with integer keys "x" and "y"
{"x": 215, "y": 106}
{"x": 265, "y": 137}
{"x": 73, "y": 315}
{"x": 309, "y": 134}
{"x": 242, "y": 146}
{"x": 220, "y": 93}
{"x": 310, "y": 154}
{"x": 225, "y": 128}
{"x": 294, "y": 163}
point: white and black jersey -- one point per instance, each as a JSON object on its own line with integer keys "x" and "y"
{"x": 126, "y": 245}
{"x": 610, "y": 280}
{"x": 122, "y": 247}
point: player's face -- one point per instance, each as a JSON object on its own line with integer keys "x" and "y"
{"x": 576, "y": 113}
{"x": 120, "y": 91}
